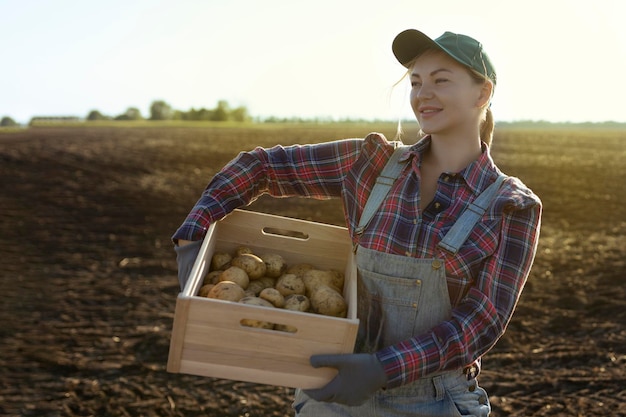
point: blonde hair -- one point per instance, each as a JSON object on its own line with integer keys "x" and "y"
{"x": 487, "y": 126}
{"x": 487, "y": 123}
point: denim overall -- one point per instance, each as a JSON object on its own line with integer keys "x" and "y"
{"x": 399, "y": 297}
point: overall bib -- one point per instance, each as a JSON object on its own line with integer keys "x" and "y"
{"x": 400, "y": 297}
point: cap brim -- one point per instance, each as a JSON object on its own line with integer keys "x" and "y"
{"x": 411, "y": 43}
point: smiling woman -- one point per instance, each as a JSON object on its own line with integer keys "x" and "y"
{"x": 443, "y": 240}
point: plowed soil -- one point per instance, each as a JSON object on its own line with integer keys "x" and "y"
{"x": 88, "y": 274}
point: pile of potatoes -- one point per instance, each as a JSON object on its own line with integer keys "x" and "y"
{"x": 267, "y": 280}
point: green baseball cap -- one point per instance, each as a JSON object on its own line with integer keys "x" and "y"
{"x": 468, "y": 51}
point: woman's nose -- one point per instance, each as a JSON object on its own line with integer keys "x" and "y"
{"x": 424, "y": 91}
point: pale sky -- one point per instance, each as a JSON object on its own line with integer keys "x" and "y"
{"x": 556, "y": 60}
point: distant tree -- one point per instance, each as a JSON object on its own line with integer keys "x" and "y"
{"x": 203, "y": 114}
{"x": 240, "y": 114}
{"x": 132, "y": 113}
{"x": 160, "y": 110}
{"x": 179, "y": 115}
{"x": 194, "y": 114}
{"x": 7, "y": 122}
{"x": 221, "y": 112}
{"x": 96, "y": 115}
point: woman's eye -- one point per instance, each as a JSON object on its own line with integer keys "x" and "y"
{"x": 441, "y": 80}
{"x": 415, "y": 84}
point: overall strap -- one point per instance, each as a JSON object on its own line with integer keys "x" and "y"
{"x": 461, "y": 230}
{"x": 381, "y": 188}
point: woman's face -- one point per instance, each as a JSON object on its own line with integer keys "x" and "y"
{"x": 444, "y": 96}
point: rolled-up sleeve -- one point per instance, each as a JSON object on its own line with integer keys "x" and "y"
{"x": 314, "y": 171}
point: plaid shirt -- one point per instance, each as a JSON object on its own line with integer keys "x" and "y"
{"x": 485, "y": 278}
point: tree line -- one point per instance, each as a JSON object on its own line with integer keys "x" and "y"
{"x": 160, "y": 110}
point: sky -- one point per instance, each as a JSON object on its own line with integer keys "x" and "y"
{"x": 556, "y": 60}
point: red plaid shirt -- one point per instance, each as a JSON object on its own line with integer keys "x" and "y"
{"x": 485, "y": 278}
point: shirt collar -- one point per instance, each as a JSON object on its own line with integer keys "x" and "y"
{"x": 478, "y": 175}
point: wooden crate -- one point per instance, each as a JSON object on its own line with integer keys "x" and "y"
{"x": 207, "y": 337}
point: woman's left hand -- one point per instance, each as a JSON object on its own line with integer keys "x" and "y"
{"x": 186, "y": 254}
{"x": 359, "y": 377}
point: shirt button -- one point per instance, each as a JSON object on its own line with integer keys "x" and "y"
{"x": 407, "y": 253}
{"x": 414, "y": 305}
{"x": 437, "y": 205}
{"x": 446, "y": 178}
{"x": 414, "y": 221}
{"x": 418, "y": 282}
{"x": 436, "y": 264}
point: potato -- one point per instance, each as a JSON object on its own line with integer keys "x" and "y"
{"x": 241, "y": 250}
{"x": 220, "y": 261}
{"x": 252, "y": 264}
{"x": 315, "y": 278}
{"x": 285, "y": 328}
{"x": 255, "y": 287}
{"x": 212, "y": 277}
{"x": 297, "y": 302}
{"x": 273, "y": 296}
{"x": 269, "y": 282}
{"x": 289, "y": 284}
{"x": 226, "y": 290}
{"x": 236, "y": 275}
{"x": 299, "y": 269}
{"x": 338, "y": 280}
{"x": 294, "y": 302}
{"x": 327, "y": 301}
{"x": 259, "y": 324}
{"x": 275, "y": 264}
{"x": 204, "y": 290}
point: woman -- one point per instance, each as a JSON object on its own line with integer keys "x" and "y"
{"x": 436, "y": 287}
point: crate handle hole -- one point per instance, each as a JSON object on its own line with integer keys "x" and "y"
{"x": 285, "y": 233}
{"x": 257, "y": 324}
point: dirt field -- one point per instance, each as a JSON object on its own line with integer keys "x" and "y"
{"x": 88, "y": 274}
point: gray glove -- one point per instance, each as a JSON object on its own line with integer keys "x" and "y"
{"x": 185, "y": 257}
{"x": 360, "y": 376}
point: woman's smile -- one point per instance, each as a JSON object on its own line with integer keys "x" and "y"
{"x": 429, "y": 111}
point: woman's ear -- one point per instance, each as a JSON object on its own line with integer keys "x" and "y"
{"x": 486, "y": 92}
